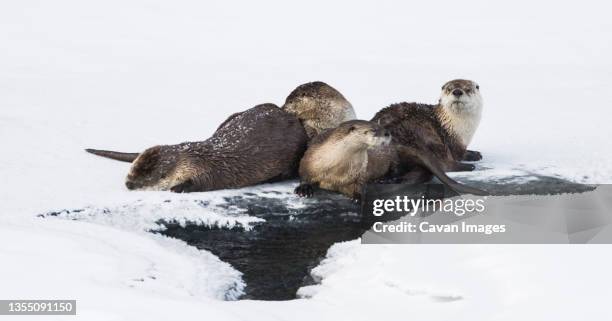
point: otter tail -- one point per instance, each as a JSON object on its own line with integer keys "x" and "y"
{"x": 124, "y": 157}
{"x": 432, "y": 164}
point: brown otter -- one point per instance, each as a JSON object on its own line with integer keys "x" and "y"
{"x": 261, "y": 144}
{"x": 444, "y": 130}
{"x": 346, "y": 158}
{"x": 318, "y": 106}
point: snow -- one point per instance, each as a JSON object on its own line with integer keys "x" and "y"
{"x": 481, "y": 282}
{"x": 127, "y": 75}
{"x": 145, "y": 215}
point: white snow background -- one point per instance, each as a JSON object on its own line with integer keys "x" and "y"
{"x": 126, "y": 75}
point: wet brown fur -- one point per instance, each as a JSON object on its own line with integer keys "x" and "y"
{"x": 319, "y": 107}
{"x": 418, "y": 124}
{"x": 425, "y": 127}
{"x": 261, "y": 144}
{"x": 337, "y": 160}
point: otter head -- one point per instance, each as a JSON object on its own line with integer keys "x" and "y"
{"x": 319, "y": 106}
{"x": 461, "y": 95}
{"x": 152, "y": 169}
{"x": 361, "y": 135}
{"x": 461, "y": 108}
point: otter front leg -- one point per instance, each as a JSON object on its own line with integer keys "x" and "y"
{"x": 391, "y": 179}
{"x": 354, "y": 191}
{"x": 187, "y": 186}
{"x": 393, "y": 176}
{"x": 304, "y": 190}
{"x": 472, "y": 156}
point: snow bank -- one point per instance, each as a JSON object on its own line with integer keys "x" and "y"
{"x": 106, "y": 269}
{"x": 442, "y": 282}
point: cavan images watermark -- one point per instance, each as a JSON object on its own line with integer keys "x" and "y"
{"x": 431, "y": 213}
{"x": 37, "y": 307}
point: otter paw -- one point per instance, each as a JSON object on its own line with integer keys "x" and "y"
{"x": 184, "y": 187}
{"x": 304, "y": 190}
{"x": 472, "y": 156}
{"x": 389, "y": 180}
{"x": 462, "y": 167}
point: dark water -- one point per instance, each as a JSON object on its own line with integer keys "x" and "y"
{"x": 538, "y": 185}
{"x": 276, "y": 256}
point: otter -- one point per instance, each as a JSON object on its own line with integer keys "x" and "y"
{"x": 261, "y": 144}
{"x": 444, "y": 130}
{"x": 319, "y": 107}
{"x": 346, "y": 158}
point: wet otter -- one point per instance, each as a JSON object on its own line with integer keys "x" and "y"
{"x": 261, "y": 144}
{"x": 445, "y": 129}
{"x": 346, "y": 158}
{"x": 319, "y": 107}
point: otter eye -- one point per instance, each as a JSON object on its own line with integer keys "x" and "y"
{"x": 352, "y": 128}
{"x": 477, "y": 87}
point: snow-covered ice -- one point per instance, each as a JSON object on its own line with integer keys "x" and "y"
{"x": 126, "y": 75}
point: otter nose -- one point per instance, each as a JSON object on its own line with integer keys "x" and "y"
{"x": 457, "y": 92}
{"x": 387, "y": 133}
{"x": 130, "y": 185}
